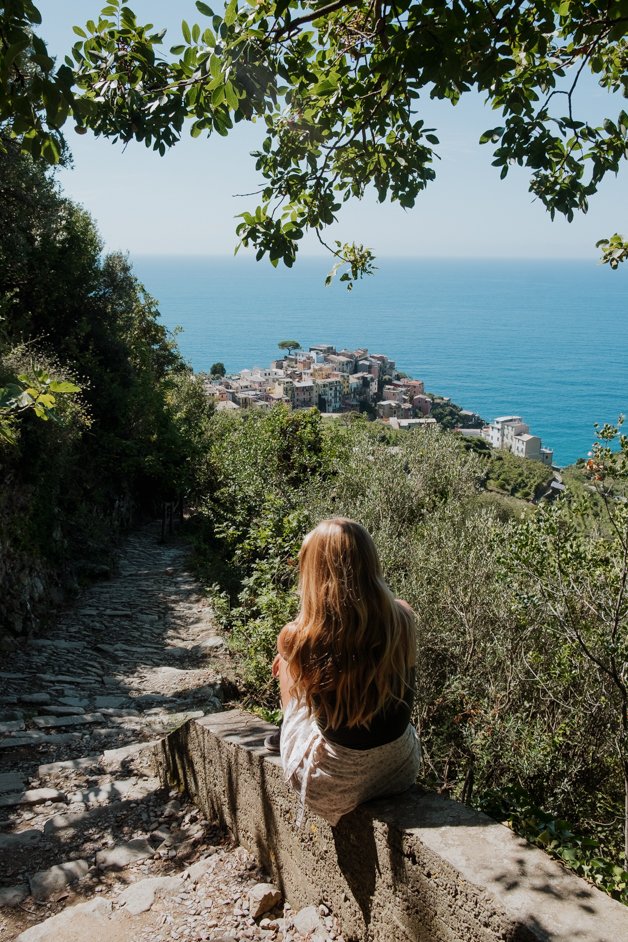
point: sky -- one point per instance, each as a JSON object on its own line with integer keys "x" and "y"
{"x": 185, "y": 203}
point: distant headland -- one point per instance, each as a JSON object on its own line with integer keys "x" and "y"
{"x": 340, "y": 381}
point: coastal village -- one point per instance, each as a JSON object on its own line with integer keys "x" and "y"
{"x": 337, "y": 381}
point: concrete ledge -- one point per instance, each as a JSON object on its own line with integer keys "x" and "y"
{"x": 417, "y": 867}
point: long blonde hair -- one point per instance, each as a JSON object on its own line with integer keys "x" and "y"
{"x": 350, "y": 648}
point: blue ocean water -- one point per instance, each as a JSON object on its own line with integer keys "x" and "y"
{"x": 547, "y": 340}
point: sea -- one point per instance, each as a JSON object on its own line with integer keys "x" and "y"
{"x": 543, "y": 339}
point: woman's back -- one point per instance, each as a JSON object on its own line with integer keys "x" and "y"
{"x": 387, "y": 725}
{"x": 347, "y": 676}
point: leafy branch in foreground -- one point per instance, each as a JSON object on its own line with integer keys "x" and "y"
{"x": 338, "y": 87}
{"x": 614, "y": 250}
{"x": 37, "y": 392}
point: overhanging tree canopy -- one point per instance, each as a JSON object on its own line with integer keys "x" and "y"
{"x": 339, "y": 87}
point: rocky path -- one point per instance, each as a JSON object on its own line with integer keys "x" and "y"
{"x": 91, "y": 847}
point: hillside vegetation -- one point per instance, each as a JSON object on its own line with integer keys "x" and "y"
{"x": 100, "y": 419}
{"x": 521, "y": 615}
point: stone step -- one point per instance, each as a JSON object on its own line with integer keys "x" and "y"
{"x": 115, "y": 757}
{"x": 46, "y": 882}
{"x": 122, "y": 855}
{"x": 38, "y": 698}
{"x": 62, "y": 710}
{"x": 85, "y": 762}
{"x": 78, "y": 702}
{"x": 48, "y": 722}
{"x": 11, "y": 726}
{"x": 110, "y": 703}
{"x": 20, "y": 839}
{"x": 91, "y": 920}
{"x": 11, "y": 782}
{"x": 114, "y": 791}
{"x": 33, "y": 796}
{"x": 13, "y": 895}
{"x": 36, "y": 738}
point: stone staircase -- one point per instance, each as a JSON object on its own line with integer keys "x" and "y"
{"x": 91, "y": 845}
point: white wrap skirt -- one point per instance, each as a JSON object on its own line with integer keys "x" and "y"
{"x": 332, "y": 779}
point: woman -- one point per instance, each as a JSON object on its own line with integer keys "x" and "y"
{"x": 346, "y": 674}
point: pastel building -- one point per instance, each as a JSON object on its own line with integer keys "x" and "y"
{"x": 396, "y": 393}
{"x": 388, "y": 409}
{"x": 341, "y": 364}
{"x": 409, "y": 425}
{"x": 304, "y": 394}
{"x": 329, "y": 394}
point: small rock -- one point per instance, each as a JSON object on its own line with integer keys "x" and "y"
{"x": 308, "y": 920}
{"x": 139, "y": 897}
{"x": 199, "y": 869}
{"x": 211, "y": 643}
{"x": 262, "y": 898}
{"x": 85, "y": 921}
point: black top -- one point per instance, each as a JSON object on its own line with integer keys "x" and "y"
{"x": 386, "y": 726}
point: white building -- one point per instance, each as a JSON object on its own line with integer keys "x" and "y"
{"x": 512, "y": 433}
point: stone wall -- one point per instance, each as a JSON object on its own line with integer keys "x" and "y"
{"x": 416, "y": 867}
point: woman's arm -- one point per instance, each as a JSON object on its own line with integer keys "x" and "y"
{"x": 410, "y": 611}
{"x": 280, "y": 668}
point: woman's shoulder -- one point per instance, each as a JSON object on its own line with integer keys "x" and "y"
{"x": 405, "y": 606}
{"x": 285, "y": 639}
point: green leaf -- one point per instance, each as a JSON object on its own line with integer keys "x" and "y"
{"x": 187, "y": 35}
{"x": 230, "y": 95}
{"x": 204, "y": 8}
{"x": 63, "y": 386}
{"x": 231, "y": 13}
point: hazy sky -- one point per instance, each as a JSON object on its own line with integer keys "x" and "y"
{"x": 185, "y": 202}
